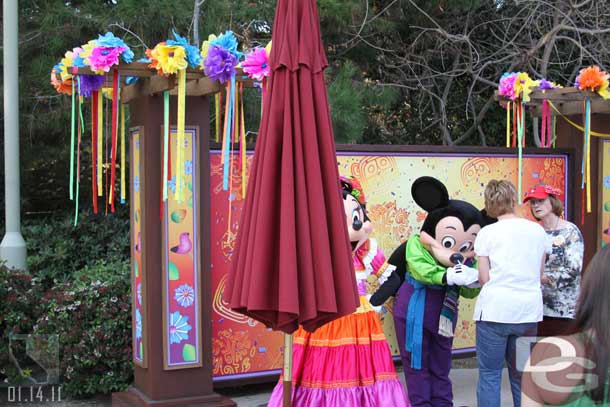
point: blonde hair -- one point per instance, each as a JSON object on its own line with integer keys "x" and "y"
{"x": 500, "y": 197}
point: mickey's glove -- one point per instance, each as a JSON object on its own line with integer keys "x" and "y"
{"x": 376, "y": 308}
{"x": 462, "y": 275}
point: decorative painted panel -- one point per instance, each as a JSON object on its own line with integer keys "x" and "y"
{"x": 181, "y": 263}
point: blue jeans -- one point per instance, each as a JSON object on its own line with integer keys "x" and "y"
{"x": 497, "y": 342}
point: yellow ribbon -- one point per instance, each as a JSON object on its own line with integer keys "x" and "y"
{"x": 579, "y": 127}
{"x": 180, "y": 193}
{"x": 123, "y": 189}
{"x": 508, "y": 125}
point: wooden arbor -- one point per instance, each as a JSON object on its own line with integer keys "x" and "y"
{"x": 170, "y": 244}
{"x": 568, "y": 105}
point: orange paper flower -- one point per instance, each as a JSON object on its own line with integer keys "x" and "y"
{"x": 59, "y": 85}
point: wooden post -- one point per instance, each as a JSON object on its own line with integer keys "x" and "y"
{"x": 187, "y": 378}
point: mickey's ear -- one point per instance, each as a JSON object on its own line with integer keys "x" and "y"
{"x": 429, "y": 193}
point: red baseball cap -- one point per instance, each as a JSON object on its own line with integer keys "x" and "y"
{"x": 541, "y": 191}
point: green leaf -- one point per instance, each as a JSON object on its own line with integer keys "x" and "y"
{"x": 174, "y": 273}
{"x": 189, "y": 353}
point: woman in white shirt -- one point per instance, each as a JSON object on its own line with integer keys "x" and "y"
{"x": 511, "y": 254}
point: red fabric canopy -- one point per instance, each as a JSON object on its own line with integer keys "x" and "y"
{"x": 293, "y": 262}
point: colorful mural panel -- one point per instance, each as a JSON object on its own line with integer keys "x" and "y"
{"x": 137, "y": 269}
{"x": 181, "y": 264}
{"x": 243, "y": 346}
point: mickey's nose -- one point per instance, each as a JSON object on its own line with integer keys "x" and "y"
{"x": 357, "y": 225}
{"x": 456, "y": 258}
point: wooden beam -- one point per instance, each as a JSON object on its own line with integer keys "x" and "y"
{"x": 573, "y": 108}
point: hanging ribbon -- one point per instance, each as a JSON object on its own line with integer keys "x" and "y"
{"x": 231, "y": 197}
{"x": 217, "y": 102}
{"x": 544, "y": 141}
{"x": 228, "y": 134}
{"x": 243, "y": 144}
{"x": 520, "y": 135}
{"x": 508, "y": 124}
{"x": 165, "y": 142}
{"x": 100, "y": 142}
{"x": 106, "y": 155}
{"x": 576, "y": 125}
{"x": 81, "y": 128}
{"x": 123, "y": 153}
{"x": 114, "y": 132}
{"x": 514, "y": 141}
{"x": 180, "y": 193}
{"x": 588, "y": 151}
{"x": 72, "y": 131}
{"x": 224, "y": 128}
{"x": 94, "y": 131}
{"x": 554, "y": 121}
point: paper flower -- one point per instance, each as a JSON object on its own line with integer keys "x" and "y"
{"x": 524, "y": 85}
{"x": 227, "y": 41}
{"x": 103, "y": 58}
{"x": 192, "y": 52}
{"x": 90, "y": 83}
{"x": 546, "y": 85}
{"x": 507, "y": 85}
{"x": 168, "y": 59}
{"x": 205, "y": 47}
{"x": 108, "y": 40}
{"x": 60, "y": 85}
{"x": 256, "y": 64}
{"x": 593, "y": 79}
{"x": 220, "y": 64}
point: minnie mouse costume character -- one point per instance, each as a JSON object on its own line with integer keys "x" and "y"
{"x": 430, "y": 271}
{"x": 347, "y": 362}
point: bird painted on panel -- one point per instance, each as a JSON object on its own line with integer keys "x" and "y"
{"x": 185, "y": 245}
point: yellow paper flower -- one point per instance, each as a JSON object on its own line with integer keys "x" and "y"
{"x": 603, "y": 90}
{"x": 205, "y": 47}
{"x": 268, "y": 49}
{"x": 524, "y": 85}
{"x": 170, "y": 58}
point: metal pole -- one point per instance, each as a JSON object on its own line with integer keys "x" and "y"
{"x": 12, "y": 248}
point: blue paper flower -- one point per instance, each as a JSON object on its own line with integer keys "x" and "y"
{"x": 607, "y": 181}
{"x": 228, "y": 42}
{"x": 178, "y": 327}
{"x": 184, "y": 295}
{"x": 136, "y": 183}
{"x": 192, "y": 52}
{"x": 110, "y": 41}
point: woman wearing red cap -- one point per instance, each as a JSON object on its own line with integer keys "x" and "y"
{"x": 562, "y": 270}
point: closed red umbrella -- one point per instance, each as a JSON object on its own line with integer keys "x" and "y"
{"x": 293, "y": 261}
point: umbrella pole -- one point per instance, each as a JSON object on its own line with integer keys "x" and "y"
{"x": 287, "y": 390}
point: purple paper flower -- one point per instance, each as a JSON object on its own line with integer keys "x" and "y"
{"x": 545, "y": 85}
{"x": 220, "y": 64}
{"x": 90, "y": 83}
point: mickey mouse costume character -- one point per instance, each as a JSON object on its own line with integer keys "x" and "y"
{"x": 347, "y": 362}
{"x": 430, "y": 271}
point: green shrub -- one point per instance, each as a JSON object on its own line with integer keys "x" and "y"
{"x": 57, "y": 249}
{"x": 78, "y": 288}
{"x": 92, "y": 317}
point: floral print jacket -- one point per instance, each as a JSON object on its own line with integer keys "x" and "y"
{"x": 563, "y": 270}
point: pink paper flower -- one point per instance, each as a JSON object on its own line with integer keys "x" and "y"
{"x": 256, "y": 64}
{"x": 103, "y": 58}
{"x": 507, "y": 86}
